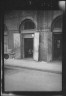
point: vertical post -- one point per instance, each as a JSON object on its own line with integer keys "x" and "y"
{"x": 49, "y": 55}
{"x": 16, "y": 37}
{"x": 36, "y": 46}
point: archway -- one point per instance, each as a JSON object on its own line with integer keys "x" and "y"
{"x": 27, "y": 24}
{"x": 56, "y": 29}
{"x": 57, "y": 24}
{"x": 26, "y": 30}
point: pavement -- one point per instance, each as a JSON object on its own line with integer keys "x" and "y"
{"x": 55, "y": 66}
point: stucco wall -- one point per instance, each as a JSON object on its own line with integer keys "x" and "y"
{"x": 42, "y": 19}
{"x": 43, "y": 46}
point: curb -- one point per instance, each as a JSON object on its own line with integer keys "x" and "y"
{"x": 37, "y": 69}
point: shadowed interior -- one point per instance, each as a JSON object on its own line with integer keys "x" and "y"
{"x": 28, "y": 47}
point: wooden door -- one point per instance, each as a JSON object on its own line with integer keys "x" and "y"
{"x": 36, "y": 47}
{"x": 58, "y": 46}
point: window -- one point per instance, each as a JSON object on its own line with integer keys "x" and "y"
{"x": 57, "y": 23}
{"x": 27, "y": 24}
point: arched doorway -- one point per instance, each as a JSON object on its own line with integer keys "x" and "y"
{"x": 57, "y": 38}
{"x": 27, "y": 31}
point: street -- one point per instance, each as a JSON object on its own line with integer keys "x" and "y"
{"x": 24, "y": 79}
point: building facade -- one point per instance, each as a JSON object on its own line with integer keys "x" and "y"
{"x": 33, "y": 34}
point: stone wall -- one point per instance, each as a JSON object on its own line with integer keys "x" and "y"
{"x": 43, "y": 46}
{"x": 42, "y": 20}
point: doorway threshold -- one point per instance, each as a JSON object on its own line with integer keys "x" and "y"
{"x": 56, "y": 62}
{"x": 29, "y": 59}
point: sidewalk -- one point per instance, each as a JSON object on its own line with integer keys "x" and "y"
{"x": 43, "y": 66}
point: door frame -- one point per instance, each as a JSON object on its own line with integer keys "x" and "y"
{"x": 22, "y": 43}
{"x": 36, "y": 47}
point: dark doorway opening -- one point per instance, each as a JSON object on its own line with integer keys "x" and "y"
{"x": 57, "y": 44}
{"x": 28, "y": 47}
